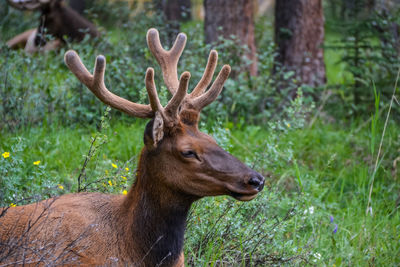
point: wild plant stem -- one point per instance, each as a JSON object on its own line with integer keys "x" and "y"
{"x": 87, "y": 159}
{"x": 380, "y": 144}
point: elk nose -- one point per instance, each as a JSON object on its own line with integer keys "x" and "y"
{"x": 257, "y": 181}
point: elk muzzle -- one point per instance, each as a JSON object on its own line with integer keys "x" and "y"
{"x": 257, "y": 181}
{"x": 249, "y": 189}
{"x": 240, "y": 181}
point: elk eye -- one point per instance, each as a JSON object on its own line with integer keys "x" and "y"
{"x": 189, "y": 154}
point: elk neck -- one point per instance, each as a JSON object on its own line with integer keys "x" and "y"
{"x": 158, "y": 217}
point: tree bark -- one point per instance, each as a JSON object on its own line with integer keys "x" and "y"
{"x": 174, "y": 12}
{"x": 385, "y": 9}
{"x": 224, "y": 18}
{"x": 177, "y": 10}
{"x": 299, "y": 35}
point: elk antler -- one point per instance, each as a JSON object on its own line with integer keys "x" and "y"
{"x": 27, "y": 4}
{"x": 198, "y": 98}
{"x": 170, "y": 112}
{"x": 168, "y": 60}
{"x": 96, "y": 84}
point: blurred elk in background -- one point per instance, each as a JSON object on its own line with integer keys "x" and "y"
{"x": 57, "y": 19}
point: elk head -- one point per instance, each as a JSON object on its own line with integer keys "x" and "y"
{"x": 177, "y": 155}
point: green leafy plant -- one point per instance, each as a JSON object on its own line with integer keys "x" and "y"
{"x": 23, "y": 181}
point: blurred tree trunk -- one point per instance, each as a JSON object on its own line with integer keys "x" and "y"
{"x": 223, "y": 18}
{"x": 174, "y": 11}
{"x": 357, "y": 7}
{"x": 387, "y": 11}
{"x": 177, "y": 10}
{"x": 299, "y": 35}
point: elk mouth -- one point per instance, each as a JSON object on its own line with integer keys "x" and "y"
{"x": 243, "y": 194}
{"x": 242, "y": 197}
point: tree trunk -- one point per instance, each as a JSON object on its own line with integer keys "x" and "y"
{"x": 174, "y": 12}
{"x": 223, "y": 18}
{"x": 386, "y": 10}
{"x": 177, "y": 10}
{"x": 299, "y": 35}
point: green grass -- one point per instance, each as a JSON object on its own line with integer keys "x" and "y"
{"x": 332, "y": 164}
{"x": 336, "y": 72}
{"x": 62, "y": 151}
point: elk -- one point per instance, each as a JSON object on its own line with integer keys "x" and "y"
{"x": 56, "y": 19}
{"x": 177, "y": 166}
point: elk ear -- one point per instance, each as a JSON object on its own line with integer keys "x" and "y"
{"x": 158, "y": 128}
{"x": 154, "y": 131}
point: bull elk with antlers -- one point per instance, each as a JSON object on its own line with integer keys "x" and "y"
{"x": 178, "y": 165}
{"x": 57, "y": 19}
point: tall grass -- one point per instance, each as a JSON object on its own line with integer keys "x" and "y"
{"x": 373, "y": 126}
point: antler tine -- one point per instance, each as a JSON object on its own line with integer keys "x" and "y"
{"x": 75, "y": 65}
{"x": 205, "y": 99}
{"x": 26, "y": 5}
{"x": 96, "y": 84}
{"x": 168, "y": 60}
{"x": 173, "y": 105}
{"x": 152, "y": 91}
{"x": 207, "y": 75}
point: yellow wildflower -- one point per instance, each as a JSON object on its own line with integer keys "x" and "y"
{"x": 124, "y": 192}
{"x": 127, "y": 169}
{"x": 288, "y": 125}
{"x": 6, "y": 154}
{"x": 61, "y": 187}
{"x": 12, "y": 205}
{"x": 123, "y": 177}
{"x": 110, "y": 183}
{"x": 114, "y": 165}
{"x": 36, "y": 162}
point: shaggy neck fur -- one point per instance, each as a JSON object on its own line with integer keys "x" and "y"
{"x": 158, "y": 219}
